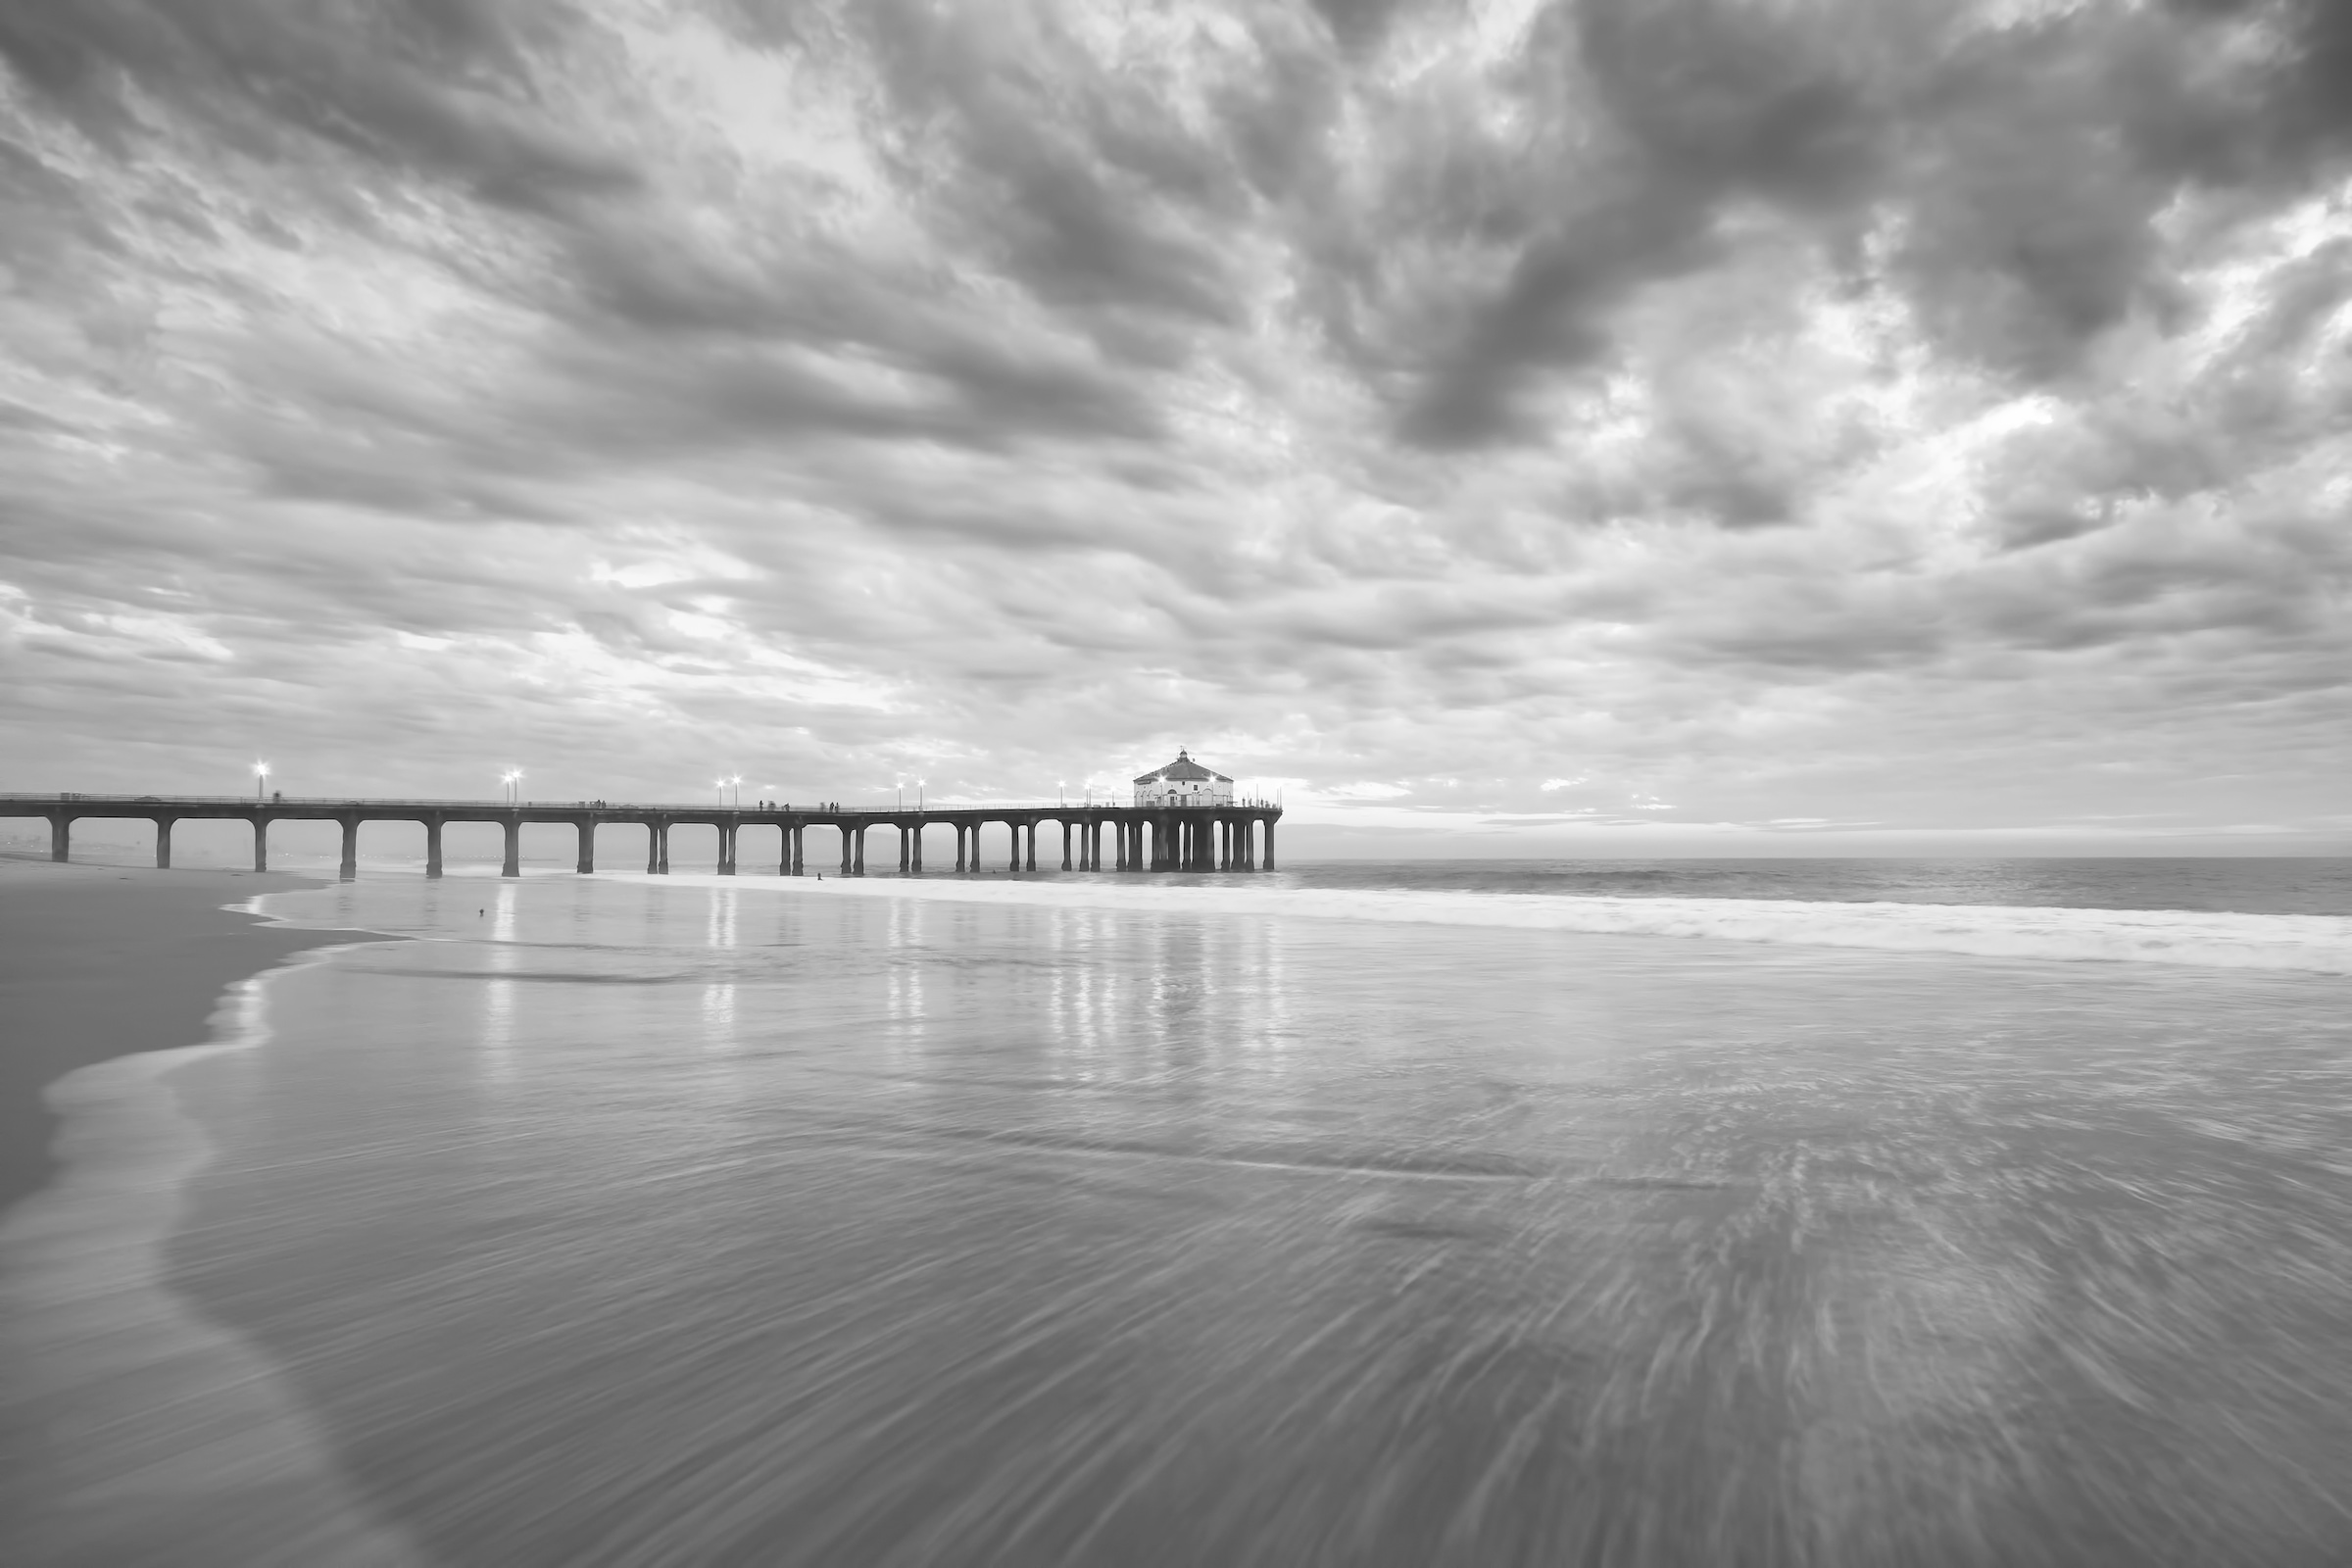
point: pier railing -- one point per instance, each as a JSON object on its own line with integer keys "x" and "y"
{"x": 1210, "y": 836}
{"x": 447, "y": 803}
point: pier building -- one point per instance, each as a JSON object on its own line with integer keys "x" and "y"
{"x": 1184, "y": 784}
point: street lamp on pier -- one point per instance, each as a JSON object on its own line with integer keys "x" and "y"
{"x": 261, "y": 777}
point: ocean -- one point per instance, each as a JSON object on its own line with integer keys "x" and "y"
{"x": 1679, "y": 1212}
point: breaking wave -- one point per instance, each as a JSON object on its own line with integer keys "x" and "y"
{"x": 2317, "y": 944}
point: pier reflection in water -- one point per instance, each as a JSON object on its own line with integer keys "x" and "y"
{"x": 882, "y": 1231}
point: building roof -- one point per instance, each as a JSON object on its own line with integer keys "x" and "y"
{"x": 1182, "y": 771}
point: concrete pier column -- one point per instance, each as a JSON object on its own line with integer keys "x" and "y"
{"x": 653, "y": 847}
{"x": 959, "y": 846}
{"x": 905, "y": 848}
{"x": 784, "y": 851}
{"x": 915, "y": 835}
{"x": 350, "y": 868}
{"x": 587, "y": 861}
{"x": 1014, "y": 829}
{"x": 726, "y": 848}
{"x": 860, "y": 866}
{"x": 1269, "y": 844}
{"x": 1065, "y": 844}
{"x": 1029, "y": 859}
{"x": 845, "y": 847}
{"x": 261, "y": 844}
{"x": 432, "y": 846}
{"x": 512, "y": 866}
{"x": 662, "y": 846}
{"x": 163, "y": 843}
{"x": 61, "y": 836}
{"x": 799, "y": 846}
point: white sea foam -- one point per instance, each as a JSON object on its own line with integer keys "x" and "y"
{"x": 157, "y": 1424}
{"x": 2315, "y": 944}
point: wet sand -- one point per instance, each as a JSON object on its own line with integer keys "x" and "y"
{"x": 117, "y": 1402}
{"x": 103, "y": 960}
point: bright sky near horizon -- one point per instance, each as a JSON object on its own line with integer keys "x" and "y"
{"x": 1609, "y": 423}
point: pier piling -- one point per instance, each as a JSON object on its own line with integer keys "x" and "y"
{"x": 1158, "y": 838}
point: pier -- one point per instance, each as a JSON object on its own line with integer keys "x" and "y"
{"x": 1224, "y": 836}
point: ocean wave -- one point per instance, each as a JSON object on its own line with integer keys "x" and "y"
{"x": 2317, "y": 944}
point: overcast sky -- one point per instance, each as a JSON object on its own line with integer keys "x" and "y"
{"x": 1625, "y": 423}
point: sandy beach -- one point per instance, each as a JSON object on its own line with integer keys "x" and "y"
{"x": 100, "y": 960}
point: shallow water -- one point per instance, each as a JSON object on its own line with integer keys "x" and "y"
{"x": 626, "y": 1221}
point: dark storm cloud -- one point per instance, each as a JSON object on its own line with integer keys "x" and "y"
{"x": 442, "y": 86}
{"x": 2025, "y": 166}
{"x": 1073, "y": 184}
{"x": 449, "y": 91}
{"x": 1704, "y": 103}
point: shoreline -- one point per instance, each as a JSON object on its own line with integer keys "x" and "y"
{"x": 2319, "y": 946}
{"x": 99, "y": 961}
{"x": 118, "y": 1370}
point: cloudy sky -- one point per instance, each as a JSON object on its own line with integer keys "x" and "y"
{"x": 1747, "y": 424}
